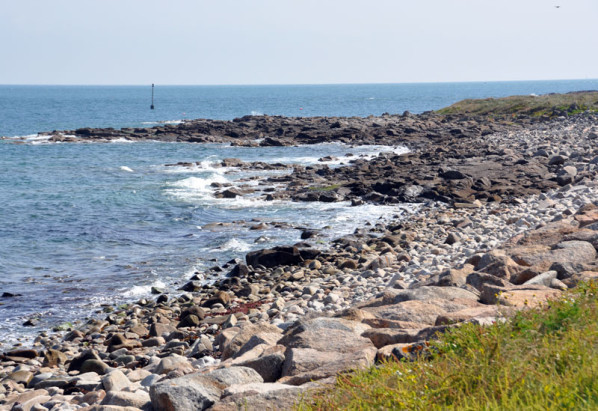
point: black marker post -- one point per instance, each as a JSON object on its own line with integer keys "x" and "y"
{"x": 152, "y": 106}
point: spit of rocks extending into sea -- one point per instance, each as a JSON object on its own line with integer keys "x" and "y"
{"x": 289, "y": 319}
{"x": 454, "y": 158}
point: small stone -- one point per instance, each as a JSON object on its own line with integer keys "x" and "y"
{"x": 54, "y": 358}
{"x": 452, "y": 238}
{"x": 231, "y": 321}
{"x": 315, "y": 265}
{"x": 21, "y": 377}
{"x": 189, "y": 321}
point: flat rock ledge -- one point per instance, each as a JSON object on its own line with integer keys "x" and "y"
{"x": 288, "y": 320}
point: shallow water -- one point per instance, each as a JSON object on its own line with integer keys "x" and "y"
{"x": 91, "y": 223}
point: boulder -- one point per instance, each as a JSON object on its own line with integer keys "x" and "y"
{"x": 138, "y": 399}
{"x": 549, "y": 235}
{"x": 274, "y": 257}
{"x": 477, "y": 280}
{"x": 326, "y": 334}
{"x": 266, "y": 360}
{"x": 574, "y": 252}
{"x": 386, "y": 323}
{"x": 587, "y": 217}
{"x": 455, "y": 277}
{"x": 306, "y": 364}
{"x": 408, "y": 311}
{"x": 519, "y": 296}
{"x": 198, "y": 391}
{"x": 266, "y": 397}
{"x": 497, "y": 263}
{"x": 262, "y": 333}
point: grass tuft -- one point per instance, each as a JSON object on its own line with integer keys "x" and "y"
{"x": 544, "y": 359}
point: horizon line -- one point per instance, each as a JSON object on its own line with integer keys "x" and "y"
{"x": 287, "y": 84}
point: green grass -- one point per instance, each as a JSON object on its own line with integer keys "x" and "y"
{"x": 541, "y": 359}
{"x": 325, "y": 188}
{"x": 544, "y": 105}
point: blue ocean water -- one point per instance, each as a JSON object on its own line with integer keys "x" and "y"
{"x": 86, "y": 224}
{"x": 31, "y": 109}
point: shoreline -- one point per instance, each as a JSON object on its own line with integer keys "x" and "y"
{"x": 172, "y": 339}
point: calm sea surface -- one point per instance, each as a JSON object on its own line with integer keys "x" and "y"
{"x": 86, "y": 224}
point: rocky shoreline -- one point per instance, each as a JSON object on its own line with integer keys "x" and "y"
{"x": 510, "y": 220}
{"x": 453, "y": 159}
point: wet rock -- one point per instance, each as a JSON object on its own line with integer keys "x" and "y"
{"x": 274, "y": 257}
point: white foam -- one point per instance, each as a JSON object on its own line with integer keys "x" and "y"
{"x": 342, "y": 218}
{"x": 195, "y": 188}
{"x": 163, "y": 122}
{"x": 30, "y": 138}
{"x": 200, "y": 184}
{"x": 364, "y": 152}
{"x": 233, "y": 245}
{"x": 122, "y": 140}
{"x": 140, "y": 290}
{"x": 210, "y": 165}
{"x": 125, "y": 168}
{"x": 256, "y": 113}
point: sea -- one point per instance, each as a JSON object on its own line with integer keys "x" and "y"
{"x": 86, "y": 225}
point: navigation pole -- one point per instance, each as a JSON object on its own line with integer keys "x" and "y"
{"x": 152, "y": 106}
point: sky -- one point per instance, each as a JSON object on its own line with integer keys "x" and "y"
{"x": 295, "y": 42}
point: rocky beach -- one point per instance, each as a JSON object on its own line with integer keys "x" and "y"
{"x": 507, "y": 218}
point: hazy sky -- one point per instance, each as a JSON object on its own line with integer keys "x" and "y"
{"x": 300, "y": 41}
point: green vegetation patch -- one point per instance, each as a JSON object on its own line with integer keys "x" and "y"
{"x": 541, "y": 359}
{"x": 325, "y": 188}
{"x": 544, "y": 105}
